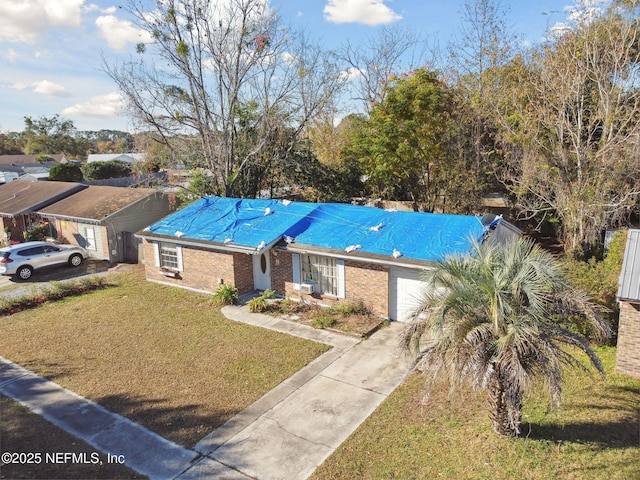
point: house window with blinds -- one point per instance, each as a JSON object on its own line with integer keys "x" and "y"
{"x": 322, "y": 271}
{"x": 169, "y": 256}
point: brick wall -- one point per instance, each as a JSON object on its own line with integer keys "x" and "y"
{"x": 203, "y": 269}
{"x": 243, "y": 272}
{"x": 368, "y": 283}
{"x": 363, "y": 282}
{"x": 16, "y": 225}
{"x": 281, "y": 273}
{"x": 628, "y": 352}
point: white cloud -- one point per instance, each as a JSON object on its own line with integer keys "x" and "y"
{"x": 118, "y": 33}
{"x": 20, "y": 85}
{"x": 368, "y": 12}
{"x": 46, "y": 87}
{"x": 43, "y": 87}
{"x": 584, "y": 15}
{"x": 25, "y": 20}
{"x": 351, "y": 74}
{"x": 580, "y": 13}
{"x": 103, "y": 106}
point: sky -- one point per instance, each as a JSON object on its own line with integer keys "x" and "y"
{"x": 51, "y": 51}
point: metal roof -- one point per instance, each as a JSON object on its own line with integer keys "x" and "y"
{"x": 630, "y": 275}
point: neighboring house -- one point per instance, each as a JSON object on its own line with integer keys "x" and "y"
{"x": 325, "y": 253}
{"x": 29, "y": 159}
{"x": 26, "y": 171}
{"x": 21, "y": 199}
{"x": 121, "y": 157}
{"x": 628, "y": 352}
{"x": 104, "y": 219}
{"x": 19, "y": 166}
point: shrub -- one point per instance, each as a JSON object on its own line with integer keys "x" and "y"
{"x": 39, "y": 232}
{"x": 257, "y": 305}
{"x": 324, "y": 320}
{"x": 104, "y": 170}
{"x": 268, "y": 294}
{"x": 226, "y": 295}
{"x": 350, "y": 308}
{"x": 66, "y": 172}
{"x": 599, "y": 278}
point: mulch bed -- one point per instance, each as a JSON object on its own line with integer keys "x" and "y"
{"x": 357, "y": 322}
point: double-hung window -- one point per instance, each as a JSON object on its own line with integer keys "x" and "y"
{"x": 322, "y": 271}
{"x": 169, "y": 255}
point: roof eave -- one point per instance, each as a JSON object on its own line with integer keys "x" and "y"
{"x": 155, "y": 237}
{"x": 71, "y": 218}
{"x": 359, "y": 256}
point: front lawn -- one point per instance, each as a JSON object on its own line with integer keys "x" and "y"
{"x": 594, "y": 435}
{"x": 161, "y": 356}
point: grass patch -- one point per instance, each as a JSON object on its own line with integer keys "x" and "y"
{"x": 349, "y": 317}
{"x": 55, "y": 291}
{"x": 163, "y": 357}
{"x": 595, "y": 434}
{"x": 21, "y": 431}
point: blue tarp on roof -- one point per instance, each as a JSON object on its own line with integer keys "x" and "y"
{"x": 414, "y": 235}
{"x": 234, "y": 221}
{"x": 255, "y": 223}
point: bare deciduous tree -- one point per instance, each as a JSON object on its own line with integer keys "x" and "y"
{"x": 232, "y": 76}
{"x": 573, "y": 126}
{"x": 392, "y": 50}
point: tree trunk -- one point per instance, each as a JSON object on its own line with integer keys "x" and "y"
{"x": 504, "y": 417}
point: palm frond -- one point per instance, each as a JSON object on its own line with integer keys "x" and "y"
{"x": 491, "y": 320}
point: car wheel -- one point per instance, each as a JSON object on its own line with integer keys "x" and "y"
{"x": 75, "y": 260}
{"x": 25, "y": 272}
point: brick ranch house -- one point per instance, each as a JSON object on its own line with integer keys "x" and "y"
{"x": 325, "y": 253}
{"x": 628, "y": 352}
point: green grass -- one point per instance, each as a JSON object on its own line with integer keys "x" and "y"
{"x": 595, "y": 434}
{"x": 163, "y": 357}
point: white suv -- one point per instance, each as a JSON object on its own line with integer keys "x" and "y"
{"x": 23, "y": 258}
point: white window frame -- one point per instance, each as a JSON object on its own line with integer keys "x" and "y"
{"x": 90, "y": 239}
{"x": 160, "y": 261}
{"x": 326, "y": 272}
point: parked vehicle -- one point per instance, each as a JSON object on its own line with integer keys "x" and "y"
{"x": 23, "y": 259}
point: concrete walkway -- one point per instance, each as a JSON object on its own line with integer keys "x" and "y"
{"x": 286, "y": 434}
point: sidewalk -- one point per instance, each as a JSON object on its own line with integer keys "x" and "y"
{"x": 286, "y": 434}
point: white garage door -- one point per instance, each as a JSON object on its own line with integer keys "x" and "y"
{"x": 404, "y": 292}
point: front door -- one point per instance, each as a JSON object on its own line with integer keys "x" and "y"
{"x": 262, "y": 271}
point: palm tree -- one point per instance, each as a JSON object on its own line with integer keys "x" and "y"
{"x": 492, "y": 319}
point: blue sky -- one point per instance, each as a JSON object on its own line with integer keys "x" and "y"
{"x": 50, "y": 50}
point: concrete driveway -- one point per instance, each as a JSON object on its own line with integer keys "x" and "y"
{"x": 12, "y": 286}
